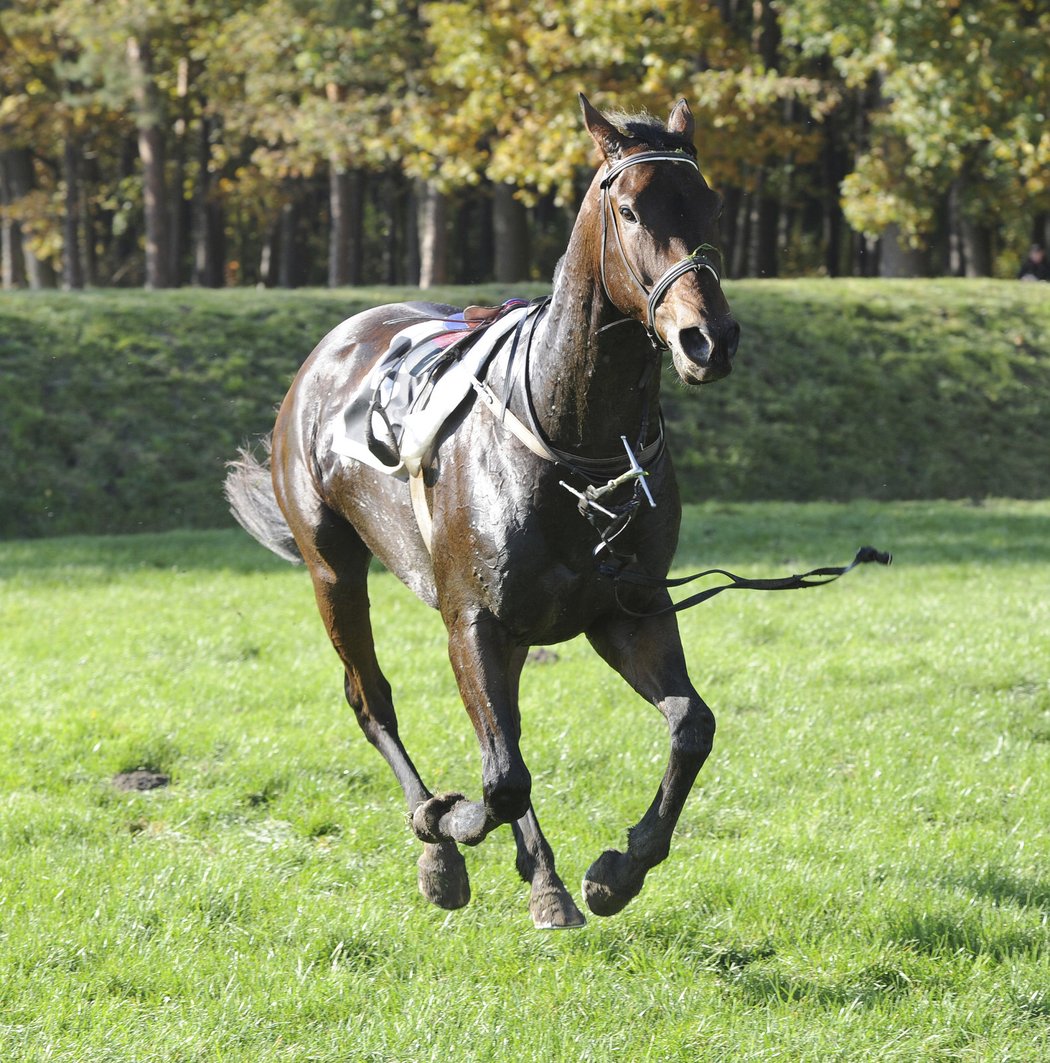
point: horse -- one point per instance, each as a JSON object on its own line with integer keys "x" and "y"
{"x": 531, "y": 495}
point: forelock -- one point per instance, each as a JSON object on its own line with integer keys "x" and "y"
{"x": 651, "y": 131}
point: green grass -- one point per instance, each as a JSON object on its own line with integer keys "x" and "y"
{"x": 118, "y": 409}
{"x": 862, "y": 873}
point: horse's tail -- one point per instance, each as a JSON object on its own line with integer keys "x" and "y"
{"x": 249, "y": 490}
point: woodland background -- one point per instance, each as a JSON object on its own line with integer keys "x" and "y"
{"x": 286, "y": 143}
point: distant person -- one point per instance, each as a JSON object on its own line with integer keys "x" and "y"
{"x": 1035, "y": 267}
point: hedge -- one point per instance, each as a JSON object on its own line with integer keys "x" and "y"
{"x": 118, "y": 409}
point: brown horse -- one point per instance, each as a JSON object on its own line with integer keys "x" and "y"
{"x": 529, "y": 495}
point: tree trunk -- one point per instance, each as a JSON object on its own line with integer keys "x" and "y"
{"x": 339, "y": 226}
{"x": 408, "y": 223}
{"x": 971, "y": 241}
{"x": 956, "y": 253}
{"x": 356, "y": 228}
{"x": 738, "y": 265}
{"x": 72, "y": 269}
{"x": 896, "y": 258}
{"x": 89, "y": 178}
{"x": 977, "y": 248}
{"x": 727, "y": 228}
{"x": 12, "y": 263}
{"x": 287, "y": 257}
{"x": 765, "y": 32}
{"x": 834, "y": 167}
{"x": 346, "y": 206}
{"x": 764, "y": 226}
{"x": 432, "y": 220}
{"x": 181, "y": 214}
{"x": 1041, "y": 229}
{"x": 151, "y": 152}
{"x": 123, "y": 246}
{"x": 208, "y": 230}
{"x": 18, "y": 165}
{"x": 510, "y": 232}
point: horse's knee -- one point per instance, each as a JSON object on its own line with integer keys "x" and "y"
{"x": 509, "y": 795}
{"x": 692, "y": 728}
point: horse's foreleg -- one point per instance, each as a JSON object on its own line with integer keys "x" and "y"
{"x": 487, "y": 667}
{"x": 550, "y": 905}
{"x": 648, "y": 654}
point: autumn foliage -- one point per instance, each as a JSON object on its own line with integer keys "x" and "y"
{"x": 288, "y": 142}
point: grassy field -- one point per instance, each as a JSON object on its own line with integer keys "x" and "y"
{"x": 863, "y": 872}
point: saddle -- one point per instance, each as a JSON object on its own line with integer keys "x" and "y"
{"x": 426, "y": 373}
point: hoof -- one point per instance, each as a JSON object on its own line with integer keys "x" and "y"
{"x": 450, "y": 817}
{"x": 611, "y": 882}
{"x": 426, "y": 819}
{"x": 443, "y": 876}
{"x": 554, "y": 909}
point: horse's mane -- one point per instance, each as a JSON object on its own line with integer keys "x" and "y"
{"x": 643, "y": 126}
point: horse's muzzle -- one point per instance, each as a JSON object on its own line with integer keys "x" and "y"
{"x": 703, "y": 353}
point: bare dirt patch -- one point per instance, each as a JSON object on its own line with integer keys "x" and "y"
{"x": 140, "y": 780}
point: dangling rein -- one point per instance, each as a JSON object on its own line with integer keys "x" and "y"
{"x": 817, "y": 577}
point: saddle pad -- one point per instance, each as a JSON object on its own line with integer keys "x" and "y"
{"x": 421, "y": 379}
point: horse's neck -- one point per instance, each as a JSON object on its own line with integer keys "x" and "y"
{"x": 591, "y": 386}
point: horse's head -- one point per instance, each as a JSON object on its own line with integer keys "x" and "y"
{"x": 659, "y": 256}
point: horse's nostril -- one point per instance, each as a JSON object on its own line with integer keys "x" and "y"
{"x": 696, "y": 345}
{"x": 732, "y": 338}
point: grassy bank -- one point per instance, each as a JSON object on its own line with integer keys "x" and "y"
{"x": 861, "y": 873}
{"x": 118, "y": 409}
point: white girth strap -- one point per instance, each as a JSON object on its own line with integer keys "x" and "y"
{"x": 416, "y": 485}
{"x": 499, "y": 410}
{"x": 418, "y": 492}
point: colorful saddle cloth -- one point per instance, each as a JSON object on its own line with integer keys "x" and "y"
{"x": 422, "y": 378}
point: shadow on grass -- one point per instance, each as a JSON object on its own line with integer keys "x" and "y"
{"x": 747, "y": 970}
{"x": 950, "y": 931}
{"x": 1001, "y": 887}
{"x": 692, "y": 942}
{"x": 863, "y": 988}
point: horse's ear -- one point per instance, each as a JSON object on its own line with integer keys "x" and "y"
{"x": 610, "y": 141}
{"x": 681, "y": 121}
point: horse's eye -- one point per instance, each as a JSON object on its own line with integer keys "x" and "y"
{"x": 627, "y": 214}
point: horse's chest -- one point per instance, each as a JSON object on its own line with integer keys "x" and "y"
{"x": 514, "y": 562}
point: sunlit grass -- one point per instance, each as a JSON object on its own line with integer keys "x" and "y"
{"x": 862, "y": 872}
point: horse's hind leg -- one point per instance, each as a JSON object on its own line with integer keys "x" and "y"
{"x": 648, "y": 654}
{"x": 338, "y": 565}
{"x": 550, "y": 905}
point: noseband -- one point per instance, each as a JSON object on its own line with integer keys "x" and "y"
{"x": 694, "y": 263}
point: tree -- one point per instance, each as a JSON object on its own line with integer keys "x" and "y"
{"x": 958, "y": 129}
{"x": 318, "y": 89}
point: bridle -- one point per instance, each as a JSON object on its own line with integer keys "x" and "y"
{"x": 694, "y": 263}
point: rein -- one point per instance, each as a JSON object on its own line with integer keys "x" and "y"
{"x": 694, "y": 263}
{"x": 816, "y": 577}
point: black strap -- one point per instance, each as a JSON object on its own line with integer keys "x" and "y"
{"x": 817, "y": 577}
